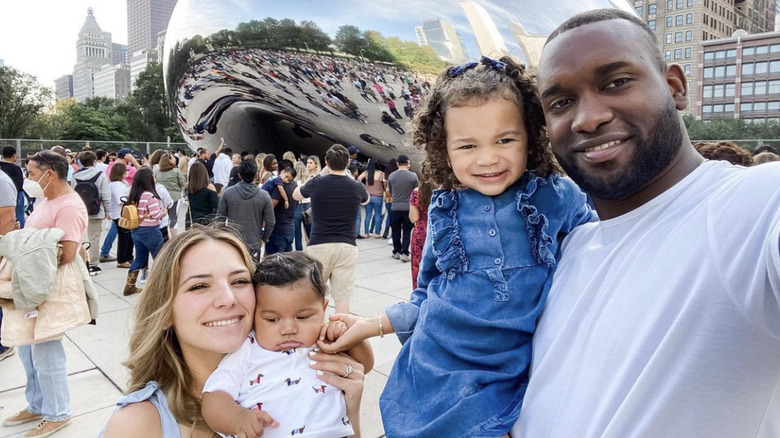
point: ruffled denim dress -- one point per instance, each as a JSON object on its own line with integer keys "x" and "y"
{"x": 487, "y": 266}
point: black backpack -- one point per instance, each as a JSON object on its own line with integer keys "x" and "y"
{"x": 89, "y": 193}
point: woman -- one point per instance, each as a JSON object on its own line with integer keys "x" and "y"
{"x": 301, "y": 176}
{"x": 270, "y": 168}
{"x": 392, "y": 166}
{"x": 173, "y": 350}
{"x": 174, "y": 181}
{"x": 418, "y": 215}
{"x": 374, "y": 180}
{"x": 202, "y": 196}
{"x": 154, "y": 159}
{"x": 147, "y": 238}
{"x": 119, "y": 189}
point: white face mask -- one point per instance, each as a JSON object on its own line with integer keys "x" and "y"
{"x": 33, "y": 188}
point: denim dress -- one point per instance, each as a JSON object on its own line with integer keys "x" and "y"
{"x": 487, "y": 266}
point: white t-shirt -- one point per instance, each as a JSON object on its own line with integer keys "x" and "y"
{"x": 167, "y": 201}
{"x": 282, "y": 384}
{"x": 664, "y": 322}
{"x": 222, "y": 167}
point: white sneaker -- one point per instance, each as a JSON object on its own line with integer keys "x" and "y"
{"x": 142, "y": 277}
{"x": 404, "y": 258}
{"x": 390, "y": 241}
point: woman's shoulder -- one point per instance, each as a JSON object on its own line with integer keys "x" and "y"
{"x": 135, "y": 419}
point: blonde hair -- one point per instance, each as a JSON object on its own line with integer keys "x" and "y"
{"x": 184, "y": 162}
{"x": 301, "y": 173}
{"x": 289, "y": 155}
{"x": 155, "y": 353}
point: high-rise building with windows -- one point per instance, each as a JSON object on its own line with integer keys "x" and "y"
{"x": 119, "y": 54}
{"x": 489, "y": 39}
{"x": 681, "y": 26}
{"x": 145, "y": 19}
{"x": 440, "y": 35}
{"x": 140, "y": 61}
{"x": 93, "y": 49}
{"x": 63, "y": 87}
{"x": 741, "y": 77}
{"x": 112, "y": 81}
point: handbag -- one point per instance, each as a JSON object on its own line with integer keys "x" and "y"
{"x": 308, "y": 217}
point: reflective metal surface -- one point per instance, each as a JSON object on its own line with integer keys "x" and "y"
{"x": 271, "y": 76}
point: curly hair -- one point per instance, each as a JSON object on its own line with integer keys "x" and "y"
{"x": 474, "y": 86}
{"x": 725, "y": 151}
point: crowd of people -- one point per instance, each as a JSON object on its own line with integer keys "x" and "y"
{"x": 583, "y": 269}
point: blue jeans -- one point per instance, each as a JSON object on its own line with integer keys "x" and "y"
{"x": 147, "y": 240}
{"x": 109, "y": 242}
{"x": 374, "y": 207}
{"x": 2, "y": 349}
{"x": 279, "y": 242}
{"x": 47, "y": 391}
{"x": 357, "y": 224}
{"x": 388, "y": 216}
{"x": 20, "y": 209}
{"x": 297, "y": 221}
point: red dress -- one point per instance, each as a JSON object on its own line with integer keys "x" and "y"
{"x": 418, "y": 236}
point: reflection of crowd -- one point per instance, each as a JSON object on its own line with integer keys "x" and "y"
{"x": 298, "y": 86}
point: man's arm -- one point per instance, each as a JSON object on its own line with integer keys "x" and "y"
{"x": 7, "y": 219}
{"x": 67, "y": 252}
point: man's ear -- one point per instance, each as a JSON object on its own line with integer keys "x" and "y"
{"x": 678, "y": 85}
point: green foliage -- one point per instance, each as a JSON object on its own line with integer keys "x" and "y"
{"x": 51, "y": 124}
{"x": 21, "y": 99}
{"x": 90, "y": 123}
{"x": 723, "y": 128}
{"x": 413, "y": 57}
{"x": 349, "y": 40}
{"x": 148, "y": 112}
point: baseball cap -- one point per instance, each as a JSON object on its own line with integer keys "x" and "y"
{"x": 403, "y": 159}
{"x": 124, "y": 151}
{"x": 353, "y": 150}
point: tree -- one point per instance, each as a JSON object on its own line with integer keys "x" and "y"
{"x": 89, "y": 123}
{"x": 153, "y": 120}
{"x": 313, "y": 37}
{"x": 51, "y": 124}
{"x": 349, "y": 40}
{"x": 21, "y": 99}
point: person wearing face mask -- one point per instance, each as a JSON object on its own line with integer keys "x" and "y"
{"x": 38, "y": 331}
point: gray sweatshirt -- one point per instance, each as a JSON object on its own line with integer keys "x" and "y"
{"x": 248, "y": 209}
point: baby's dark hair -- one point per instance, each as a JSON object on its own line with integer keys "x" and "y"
{"x": 473, "y": 86}
{"x": 284, "y": 269}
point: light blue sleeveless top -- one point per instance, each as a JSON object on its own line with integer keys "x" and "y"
{"x": 152, "y": 393}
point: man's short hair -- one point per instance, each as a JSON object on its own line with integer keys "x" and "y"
{"x": 9, "y": 151}
{"x": 100, "y": 154}
{"x": 228, "y": 152}
{"x": 403, "y": 159}
{"x": 597, "y": 15}
{"x": 49, "y": 160}
{"x": 337, "y": 157}
{"x": 247, "y": 171}
{"x": 59, "y": 150}
{"x": 291, "y": 171}
{"x": 87, "y": 158}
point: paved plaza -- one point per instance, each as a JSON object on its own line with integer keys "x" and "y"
{"x": 95, "y": 353}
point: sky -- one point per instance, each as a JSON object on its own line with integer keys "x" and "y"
{"x": 39, "y": 36}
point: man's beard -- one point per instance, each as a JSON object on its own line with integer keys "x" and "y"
{"x": 650, "y": 157}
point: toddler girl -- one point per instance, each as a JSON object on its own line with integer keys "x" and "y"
{"x": 494, "y": 231}
{"x": 268, "y": 381}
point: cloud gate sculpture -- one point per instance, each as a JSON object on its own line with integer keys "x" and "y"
{"x": 270, "y": 76}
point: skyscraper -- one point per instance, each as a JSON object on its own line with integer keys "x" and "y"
{"x": 440, "y": 35}
{"x": 145, "y": 19}
{"x": 489, "y": 39}
{"x": 63, "y": 87}
{"x": 93, "y": 49}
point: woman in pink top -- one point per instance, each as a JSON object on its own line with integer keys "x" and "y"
{"x": 147, "y": 238}
{"x": 374, "y": 180}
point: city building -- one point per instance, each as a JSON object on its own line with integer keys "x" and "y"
{"x": 161, "y": 46}
{"x": 93, "y": 49}
{"x": 682, "y": 25}
{"x": 440, "y": 35}
{"x": 145, "y": 19}
{"x": 139, "y": 62}
{"x": 530, "y": 44}
{"x": 112, "y": 81}
{"x": 2, "y": 63}
{"x": 741, "y": 77}
{"x": 119, "y": 54}
{"x": 63, "y": 87}
{"x": 489, "y": 39}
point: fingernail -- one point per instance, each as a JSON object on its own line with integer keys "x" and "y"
{"x": 316, "y": 349}
{"x": 320, "y": 373}
{"x": 312, "y": 362}
{"x": 312, "y": 353}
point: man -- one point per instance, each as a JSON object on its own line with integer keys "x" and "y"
{"x": 58, "y": 206}
{"x": 222, "y": 166}
{"x": 64, "y": 153}
{"x": 248, "y": 208}
{"x": 663, "y": 319}
{"x": 401, "y": 183}
{"x": 335, "y": 200}
{"x": 7, "y": 224}
{"x": 100, "y": 163}
{"x": 284, "y": 211}
{"x": 125, "y": 156}
{"x": 9, "y": 166}
{"x": 208, "y": 158}
{"x": 354, "y": 161}
{"x": 92, "y": 185}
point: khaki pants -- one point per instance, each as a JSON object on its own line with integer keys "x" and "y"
{"x": 94, "y": 229}
{"x": 338, "y": 264}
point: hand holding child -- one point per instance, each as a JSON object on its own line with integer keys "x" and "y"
{"x": 335, "y": 339}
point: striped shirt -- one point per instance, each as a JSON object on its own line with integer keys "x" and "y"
{"x": 152, "y": 208}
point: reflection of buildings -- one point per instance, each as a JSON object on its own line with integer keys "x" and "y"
{"x": 145, "y": 19}
{"x": 440, "y": 35}
{"x": 93, "y": 50}
{"x": 530, "y": 44}
{"x": 488, "y": 37}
